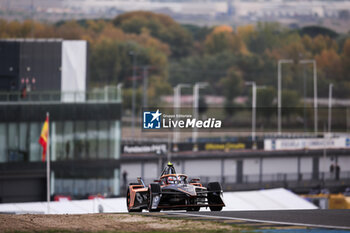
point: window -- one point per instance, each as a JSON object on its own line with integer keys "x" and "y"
{"x": 3, "y": 143}
{"x": 13, "y": 136}
{"x": 57, "y": 142}
{"x": 68, "y": 145}
{"x": 23, "y": 137}
{"x": 35, "y": 150}
{"x": 103, "y": 150}
{"x": 114, "y": 137}
{"x": 80, "y": 150}
{"x": 13, "y": 146}
{"x": 82, "y": 182}
{"x": 92, "y": 139}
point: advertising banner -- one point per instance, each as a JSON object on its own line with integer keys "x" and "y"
{"x": 306, "y": 143}
{"x": 155, "y": 148}
{"x": 210, "y": 146}
{"x": 161, "y": 148}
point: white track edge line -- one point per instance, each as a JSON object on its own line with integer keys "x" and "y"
{"x": 266, "y": 221}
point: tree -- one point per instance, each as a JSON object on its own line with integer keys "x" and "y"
{"x": 111, "y": 62}
{"x": 345, "y": 56}
{"x": 246, "y": 32}
{"x": 159, "y": 86}
{"x": 341, "y": 89}
{"x": 265, "y": 102}
{"x": 232, "y": 84}
{"x": 265, "y": 97}
{"x": 321, "y": 43}
{"x": 221, "y": 39}
{"x": 208, "y": 68}
{"x": 294, "y": 50}
{"x": 199, "y": 33}
{"x": 258, "y": 68}
{"x": 290, "y": 102}
{"x": 331, "y": 64}
{"x": 70, "y": 30}
{"x": 203, "y": 107}
{"x": 266, "y": 36}
{"x": 314, "y": 31}
{"x": 307, "y": 42}
{"x": 159, "y": 26}
{"x": 127, "y": 98}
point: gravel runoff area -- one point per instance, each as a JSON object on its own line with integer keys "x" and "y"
{"x": 107, "y": 223}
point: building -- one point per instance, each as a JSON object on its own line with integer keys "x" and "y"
{"x": 84, "y": 126}
{"x": 243, "y": 168}
{"x": 43, "y": 65}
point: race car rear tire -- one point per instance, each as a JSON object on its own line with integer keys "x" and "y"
{"x": 128, "y": 203}
{"x": 214, "y": 197}
{"x": 214, "y": 186}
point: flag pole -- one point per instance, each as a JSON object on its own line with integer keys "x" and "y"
{"x": 48, "y": 164}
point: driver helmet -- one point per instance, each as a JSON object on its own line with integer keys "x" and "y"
{"x": 171, "y": 179}
{"x": 169, "y": 169}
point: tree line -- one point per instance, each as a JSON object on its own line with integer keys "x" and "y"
{"x": 223, "y": 56}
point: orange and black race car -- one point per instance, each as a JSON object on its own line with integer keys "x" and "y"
{"x": 173, "y": 192}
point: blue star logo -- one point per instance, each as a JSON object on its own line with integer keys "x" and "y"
{"x": 151, "y": 120}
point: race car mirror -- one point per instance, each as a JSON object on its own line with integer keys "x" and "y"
{"x": 139, "y": 179}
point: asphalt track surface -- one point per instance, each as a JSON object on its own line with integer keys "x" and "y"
{"x": 330, "y": 219}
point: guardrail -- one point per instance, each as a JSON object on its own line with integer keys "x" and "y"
{"x": 109, "y": 94}
{"x": 277, "y": 177}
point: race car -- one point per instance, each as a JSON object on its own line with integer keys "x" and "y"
{"x": 173, "y": 191}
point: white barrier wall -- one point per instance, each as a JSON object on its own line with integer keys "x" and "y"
{"x": 325, "y": 163}
{"x": 251, "y": 166}
{"x": 306, "y": 165}
{"x": 133, "y": 170}
{"x": 203, "y": 167}
{"x": 344, "y": 163}
{"x": 270, "y": 199}
{"x": 150, "y": 170}
{"x": 280, "y": 165}
{"x": 230, "y": 167}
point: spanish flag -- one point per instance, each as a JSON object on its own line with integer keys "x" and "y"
{"x": 44, "y": 137}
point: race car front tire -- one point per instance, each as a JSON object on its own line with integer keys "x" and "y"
{"x": 128, "y": 203}
{"x": 153, "y": 189}
{"x": 196, "y": 208}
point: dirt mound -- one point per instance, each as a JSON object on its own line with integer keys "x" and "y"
{"x": 103, "y": 222}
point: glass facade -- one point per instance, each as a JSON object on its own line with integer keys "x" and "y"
{"x": 69, "y": 141}
{"x": 85, "y": 137}
{"x": 83, "y": 182}
{"x": 84, "y": 187}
